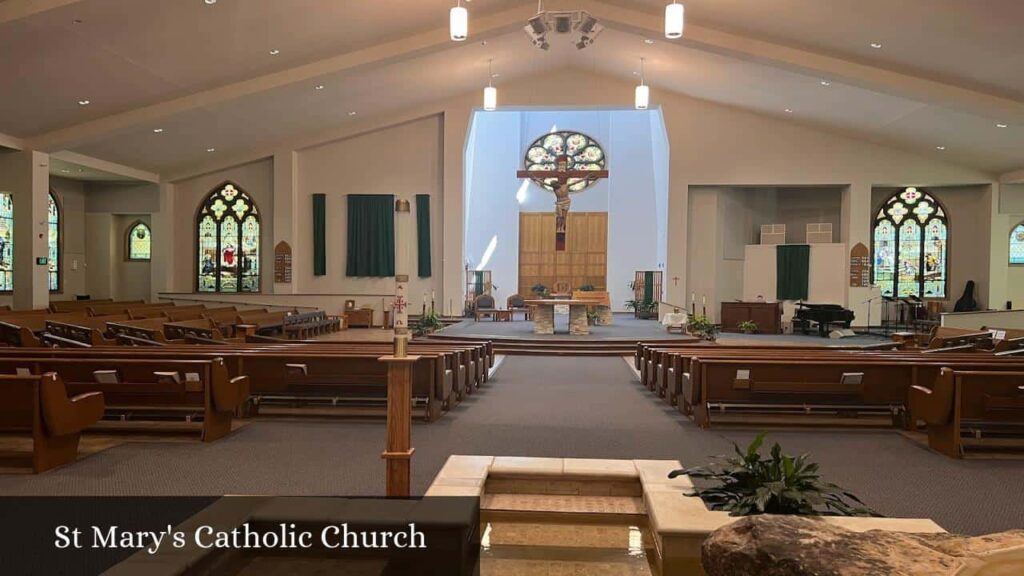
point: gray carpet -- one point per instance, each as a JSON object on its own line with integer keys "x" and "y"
{"x": 539, "y": 406}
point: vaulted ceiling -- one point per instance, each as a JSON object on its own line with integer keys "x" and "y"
{"x": 946, "y": 74}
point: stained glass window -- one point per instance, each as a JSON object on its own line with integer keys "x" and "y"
{"x": 582, "y": 153}
{"x": 910, "y": 242}
{"x": 1017, "y": 244}
{"x": 139, "y": 241}
{"x": 6, "y": 242}
{"x": 53, "y": 243}
{"x": 228, "y": 242}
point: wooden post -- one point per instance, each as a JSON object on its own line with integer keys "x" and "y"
{"x": 398, "y": 453}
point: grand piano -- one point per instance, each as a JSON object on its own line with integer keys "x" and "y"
{"x": 824, "y": 314}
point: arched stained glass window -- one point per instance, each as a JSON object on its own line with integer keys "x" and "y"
{"x": 910, "y": 241}
{"x": 228, "y": 242}
{"x": 1017, "y": 244}
{"x": 6, "y": 242}
{"x": 138, "y": 242}
{"x": 53, "y": 243}
{"x": 582, "y": 153}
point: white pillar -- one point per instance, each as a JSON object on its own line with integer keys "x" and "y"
{"x": 287, "y": 221}
{"x": 168, "y": 232}
{"x": 856, "y": 228}
{"x": 999, "y": 252}
{"x": 26, "y": 175}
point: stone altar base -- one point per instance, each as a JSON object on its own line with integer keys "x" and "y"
{"x": 604, "y": 315}
{"x": 543, "y": 320}
{"x": 578, "y": 321}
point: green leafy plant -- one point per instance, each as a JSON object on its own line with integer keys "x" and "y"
{"x": 749, "y": 484}
{"x": 748, "y": 326}
{"x": 592, "y": 317}
{"x": 702, "y": 327}
{"x": 540, "y": 290}
{"x": 587, "y": 288}
{"x": 427, "y": 323}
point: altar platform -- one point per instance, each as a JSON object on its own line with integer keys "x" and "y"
{"x": 623, "y": 327}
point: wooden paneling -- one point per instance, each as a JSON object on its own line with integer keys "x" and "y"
{"x": 584, "y": 260}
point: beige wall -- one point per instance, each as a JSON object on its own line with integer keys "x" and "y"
{"x": 403, "y": 160}
{"x": 710, "y": 144}
{"x": 72, "y": 198}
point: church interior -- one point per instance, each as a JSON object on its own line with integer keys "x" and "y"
{"x": 644, "y": 287}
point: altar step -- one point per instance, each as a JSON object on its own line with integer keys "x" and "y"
{"x": 568, "y": 346}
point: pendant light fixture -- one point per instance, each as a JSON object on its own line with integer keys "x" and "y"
{"x": 643, "y": 91}
{"x": 490, "y": 92}
{"x": 674, "y": 20}
{"x": 458, "y": 22}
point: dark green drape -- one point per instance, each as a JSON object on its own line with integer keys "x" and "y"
{"x": 423, "y": 234}
{"x": 792, "y": 266}
{"x": 371, "y": 235}
{"x": 649, "y": 286}
{"x": 319, "y": 234}
{"x": 478, "y": 287}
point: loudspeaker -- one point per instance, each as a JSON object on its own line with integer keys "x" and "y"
{"x": 842, "y": 333}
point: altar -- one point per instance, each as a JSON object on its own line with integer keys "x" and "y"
{"x": 544, "y": 315}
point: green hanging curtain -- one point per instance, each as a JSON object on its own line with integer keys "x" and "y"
{"x": 423, "y": 234}
{"x": 649, "y": 286}
{"x": 792, "y": 266}
{"x": 319, "y": 234}
{"x": 478, "y": 287}
{"x": 371, "y": 235}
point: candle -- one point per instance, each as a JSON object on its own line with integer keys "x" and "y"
{"x": 693, "y": 297}
{"x": 703, "y": 300}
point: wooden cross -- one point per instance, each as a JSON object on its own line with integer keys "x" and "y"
{"x": 561, "y": 175}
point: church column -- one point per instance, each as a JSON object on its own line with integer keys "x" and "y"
{"x": 856, "y": 228}
{"x": 26, "y": 175}
{"x": 999, "y": 252}
{"x": 287, "y": 217}
{"x": 168, "y": 233}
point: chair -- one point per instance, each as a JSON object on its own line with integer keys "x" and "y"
{"x": 517, "y": 303}
{"x": 483, "y": 305}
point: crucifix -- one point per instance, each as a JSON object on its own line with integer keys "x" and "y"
{"x": 561, "y": 176}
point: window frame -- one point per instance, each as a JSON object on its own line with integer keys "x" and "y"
{"x": 1009, "y": 240}
{"x": 11, "y": 291}
{"x": 57, "y": 202}
{"x": 128, "y": 242}
{"x": 941, "y": 214}
{"x": 254, "y": 211}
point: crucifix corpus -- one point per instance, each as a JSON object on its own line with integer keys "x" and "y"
{"x": 559, "y": 181}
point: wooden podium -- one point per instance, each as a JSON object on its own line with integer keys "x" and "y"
{"x": 767, "y": 316}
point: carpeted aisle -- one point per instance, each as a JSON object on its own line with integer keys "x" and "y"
{"x": 539, "y": 406}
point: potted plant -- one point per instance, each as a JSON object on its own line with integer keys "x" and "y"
{"x": 643, "y": 309}
{"x": 748, "y": 327}
{"x": 540, "y": 290}
{"x": 428, "y": 323}
{"x": 587, "y": 288}
{"x": 702, "y": 327}
{"x": 748, "y": 484}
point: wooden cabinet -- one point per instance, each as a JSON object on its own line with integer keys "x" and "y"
{"x": 362, "y": 317}
{"x": 767, "y": 316}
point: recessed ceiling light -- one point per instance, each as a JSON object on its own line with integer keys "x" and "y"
{"x": 352, "y": 113}
{"x": 789, "y": 110}
{"x": 1000, "y": 125}
{"x": 65, "y": 170}
{"x": 76, "y": 21}
{"x": 210, "y": 2}
{"x": 275, "y": 52}
{"x": 83, "y": 102}
{"x": 496, "y": 75}
{"x": 157, "y": 130}
{"x": 940, "y": 147}
{"x": 318, "y": 87}
{"x": 648, "y": 41}
{"x": 211, "y": 149}
{"x": 826, "y": 83}
{"x": 483, "y": 42}
{"x": 876, "y": 45}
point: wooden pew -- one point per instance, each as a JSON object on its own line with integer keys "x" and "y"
{"x": 24, "y": 330}
{"x": 966, "y": 409}
{"x": 162, "y": 311}
{"x": 305, "y": 324}
{"x": 257, "y": 322}
{"x": 151, "y": 329}
{"x": 108, "y": 309}
{"x": 90, "y": 330}
{"x": 140, "y": 392}
{"x": 828, "y": 385}
{"x": 943, "y": 337}
{"x": 40, "y": 405}
{"x": 182, "y": 313}
{"x": 81, "y": 305}
{"x": 201, "y": 328}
